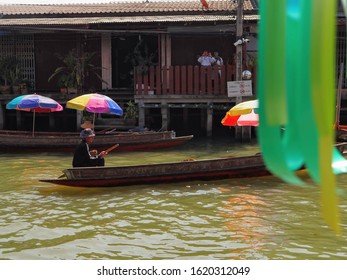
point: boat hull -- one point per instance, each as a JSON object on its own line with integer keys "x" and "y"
{"x": 62, "y": 141}
{"x": 200, "y": 170}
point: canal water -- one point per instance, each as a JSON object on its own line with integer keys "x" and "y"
{"x": 241, "y": 219}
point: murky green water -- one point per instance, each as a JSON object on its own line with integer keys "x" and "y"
{"x": 259, "y": 218}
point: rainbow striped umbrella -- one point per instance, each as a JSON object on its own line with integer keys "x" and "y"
{"x": 95, "y": 103}
{"x": 34, "y": 103}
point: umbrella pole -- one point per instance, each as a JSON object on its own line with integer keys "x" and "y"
{"x": 33, "y": 123}
{"x": 94, "y": 121}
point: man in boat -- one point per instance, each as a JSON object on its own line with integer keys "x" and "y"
{"x": 84, "y": 157}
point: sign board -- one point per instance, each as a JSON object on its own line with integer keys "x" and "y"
{"x": 239, "y": 88}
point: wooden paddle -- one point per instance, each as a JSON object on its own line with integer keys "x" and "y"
{"x": 111, "y": 148}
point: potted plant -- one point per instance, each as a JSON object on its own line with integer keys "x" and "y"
{"x": 25, "y": 86}
{"x": 8, "y": 69}
{"x": 131, "y": 112}
{"x": 15, "y": 79}
{"x": 77, "y": 66}
{"x": 67, "y": 84}
{"x": 141, "y": 58}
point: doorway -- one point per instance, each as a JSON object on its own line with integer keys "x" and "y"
{"x": 123, "y": 57}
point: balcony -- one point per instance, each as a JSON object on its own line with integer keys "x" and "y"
{"x": 184, "y": 81}
{"x": 185, "y": 90}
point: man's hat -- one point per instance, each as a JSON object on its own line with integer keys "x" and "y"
{"x": 87, "y": 133}
{"x": 87, "y": 124}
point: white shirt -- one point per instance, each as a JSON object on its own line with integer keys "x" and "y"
{"x": 206, "y": 60}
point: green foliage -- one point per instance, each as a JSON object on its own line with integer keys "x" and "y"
{"x": 10, "y": 70}
{"x": 251, "y": 61}
{"x": 77, "y": 67}
{"x": 141, "y": 58}
{"x": 15, "y": 75}
{"x": 131, "y": 110}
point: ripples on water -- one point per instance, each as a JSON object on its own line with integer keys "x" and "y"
{"x": 258, "y": 218}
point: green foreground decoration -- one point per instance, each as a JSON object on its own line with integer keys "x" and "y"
{"x": 296, "y": 91}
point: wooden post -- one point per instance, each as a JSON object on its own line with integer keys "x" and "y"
{"x": 239, "y": 33}
{"x": 79, "y": 116}
{"x": 142, "y": 115}
{"x": 240, "y": 132}
{"x": 185, "y": 117}
{"x": 209, "y": 121}
{"x": 51, "y": 120}
{"x": 164, "y": 116}
{"x": 19, "y": 120}
{"x": 246, "y": 133}
{"x": 106, "y": 58}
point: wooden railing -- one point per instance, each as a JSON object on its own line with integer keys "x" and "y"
{"x": 184, "y": 80}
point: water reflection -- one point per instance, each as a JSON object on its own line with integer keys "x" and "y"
{"x": 258, "y": 218}
{"x": 244, "y": 221}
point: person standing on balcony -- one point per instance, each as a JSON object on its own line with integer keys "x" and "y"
{"x": 206, "y": 59}
{"x": 219, "y": 62}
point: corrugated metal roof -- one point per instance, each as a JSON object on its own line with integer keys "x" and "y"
{"x": 149, "y": 6}
{"x": 129, "y": 19}
{"x": 83, "y": 16}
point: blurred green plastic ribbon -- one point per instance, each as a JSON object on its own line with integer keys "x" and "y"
{"x": 344, "y": 4}
{"x": 273, "y": 114}
{"x": 297, "y": 96}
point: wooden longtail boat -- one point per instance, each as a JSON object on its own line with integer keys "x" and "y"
{"x": 67, "y": 141}
{"x": 209, "y": 169}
